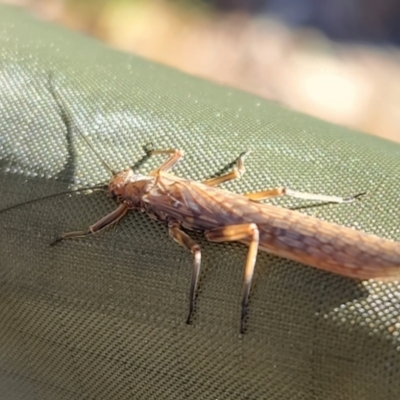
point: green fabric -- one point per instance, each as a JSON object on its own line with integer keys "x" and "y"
{"x": 104, "y": 317}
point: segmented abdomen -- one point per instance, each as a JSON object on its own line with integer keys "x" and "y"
{"x": 327, "y": 246}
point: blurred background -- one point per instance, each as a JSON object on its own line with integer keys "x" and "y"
{"x": 335, "y": 59}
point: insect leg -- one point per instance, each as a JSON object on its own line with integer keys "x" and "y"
{"x": 106, "y": 221}
{"x": 282, "y": 191}
{"x": 234, "y": 233}
{"x": 186, "y": 241}
{"x": 238, "y": 171}
{"x": 174, "y": 156}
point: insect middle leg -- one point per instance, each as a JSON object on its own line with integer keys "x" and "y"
{"x": 246, "y": 232}
{"x": 237, "y": 172}
{"x": 186, "y": 241}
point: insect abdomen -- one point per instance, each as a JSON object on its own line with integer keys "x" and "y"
{"x": 329, "y": 246}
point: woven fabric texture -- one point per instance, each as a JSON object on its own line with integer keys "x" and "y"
{"x": 104, "y": 317}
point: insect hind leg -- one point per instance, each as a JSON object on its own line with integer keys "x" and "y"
{"x": 283, "y": 191}
{"x": 241, "y": 232}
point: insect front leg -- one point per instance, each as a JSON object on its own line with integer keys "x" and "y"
{"x": 237, "y": 173}
{"x": 174, "y": 156}
{"x": 186, "y": 241}
{"x": 106, "y": 221}
{"x": 235, "y": 233}
{"x": 282, "y": 191}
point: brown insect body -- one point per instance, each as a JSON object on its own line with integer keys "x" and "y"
{"x": 224, "y": 216}
{"x": 282, "y": 232}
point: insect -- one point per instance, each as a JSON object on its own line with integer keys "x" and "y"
{"x": 224, "y": 216}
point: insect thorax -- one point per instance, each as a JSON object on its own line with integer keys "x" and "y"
{"x": 130, "y": 186}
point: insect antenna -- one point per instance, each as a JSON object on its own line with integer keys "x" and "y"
{"x": 68, "y": 121}
{"x": 50, "y": 196}
{"x": 105, "y": 165}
